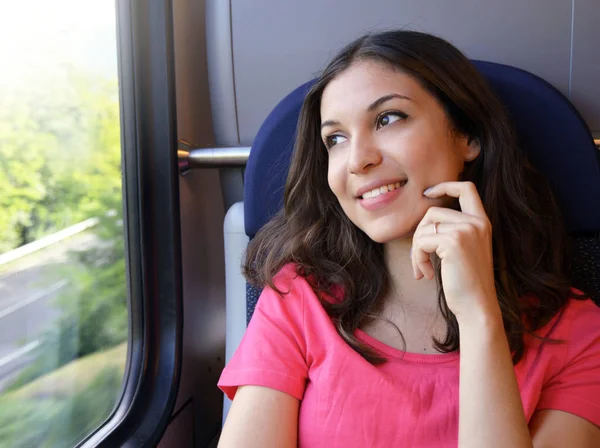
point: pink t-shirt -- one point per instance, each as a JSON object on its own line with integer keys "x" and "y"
{"x": 412, "y": 400}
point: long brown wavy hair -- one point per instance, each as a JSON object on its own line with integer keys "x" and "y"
{"x": 312, "y": 231}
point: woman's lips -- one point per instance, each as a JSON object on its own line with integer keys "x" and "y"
{"x": 381, "y": 201}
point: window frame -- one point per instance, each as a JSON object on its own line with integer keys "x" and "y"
{"x": 152, "y": 226}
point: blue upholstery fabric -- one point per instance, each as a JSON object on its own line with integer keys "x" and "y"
{"x": 252, "y": 294}
{"x": 269, "y": 161}
{"x": 585, "y": 269}
{"x": 556, "y": 139}
{"x": 549, "y": 128}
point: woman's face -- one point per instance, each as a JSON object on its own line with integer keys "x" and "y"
{"x": 388, "y": 141}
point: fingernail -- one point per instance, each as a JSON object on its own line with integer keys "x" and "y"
{"x": 426, "y": 192}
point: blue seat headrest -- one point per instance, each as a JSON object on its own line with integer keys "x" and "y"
{"x": 555, "y": 136}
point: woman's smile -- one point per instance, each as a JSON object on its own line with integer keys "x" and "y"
{"x": 381, "y": 197}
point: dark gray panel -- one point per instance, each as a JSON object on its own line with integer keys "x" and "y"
{"x": 194, "y": 122}
{"x": 277, "y": 44}
{"x": 179, "y": 433}
{"x": 203, "y": 263}
{"x": 585, "y": 80}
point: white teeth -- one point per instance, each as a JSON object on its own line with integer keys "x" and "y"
{"x": 383, "y": 189}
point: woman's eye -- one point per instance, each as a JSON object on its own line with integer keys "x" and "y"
{"x": 334, "y": 139}
{"x": 389, "y": 118}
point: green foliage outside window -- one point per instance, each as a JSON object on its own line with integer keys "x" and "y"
{"x": 60, "y": 164}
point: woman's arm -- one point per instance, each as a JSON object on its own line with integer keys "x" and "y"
{"x": 490, "y": 408}
{"x": 554, "y": 429}
{"x": 261, "y": 418}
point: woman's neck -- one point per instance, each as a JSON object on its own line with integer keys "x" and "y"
{"x": 414, "y": 295}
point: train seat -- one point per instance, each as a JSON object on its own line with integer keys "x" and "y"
{"x": 550, "y": 129}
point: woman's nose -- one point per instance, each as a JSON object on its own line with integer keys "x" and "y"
{"x": 363, "y": 156}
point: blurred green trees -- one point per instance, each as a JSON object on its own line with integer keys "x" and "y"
{"x": 60, "y": 163}
{"x": 59, "y": 156}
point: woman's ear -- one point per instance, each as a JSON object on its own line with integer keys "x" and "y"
{"x": 472, "y": 149}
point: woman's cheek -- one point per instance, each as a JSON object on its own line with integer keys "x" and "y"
{"x": 336, "y": 181}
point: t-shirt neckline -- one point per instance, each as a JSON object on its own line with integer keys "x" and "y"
{"x": 405, "y": 356}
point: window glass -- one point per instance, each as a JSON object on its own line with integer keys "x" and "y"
{"x": 63, "y": 294}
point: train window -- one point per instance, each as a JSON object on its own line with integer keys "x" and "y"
{"x": 64, "y": 320}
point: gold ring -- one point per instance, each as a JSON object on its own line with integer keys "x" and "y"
{"x": 435, "y": 229}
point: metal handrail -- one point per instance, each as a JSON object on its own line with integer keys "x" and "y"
{"x": 190, "y": 157}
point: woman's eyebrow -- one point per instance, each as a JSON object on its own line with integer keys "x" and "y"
{"x": 374, "y": 105}
{"x": 385, "y": 98}
{"x": 329, "y": 123}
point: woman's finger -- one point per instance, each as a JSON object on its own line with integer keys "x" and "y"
{"x": 427, "y": 240}
{"x": 437, "y": 227}
{"x": 466, "y": 192}
{"x": 422, "y": 266}
{"x": 446, "y": 215}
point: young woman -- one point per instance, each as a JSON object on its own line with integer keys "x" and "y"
{"x": 415, "y": 289}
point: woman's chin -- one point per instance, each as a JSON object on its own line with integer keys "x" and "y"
{"x": 384, "y": 236}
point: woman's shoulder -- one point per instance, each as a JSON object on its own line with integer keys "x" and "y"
{"x": 561, "y": 372}
{"x": 290, "y": 286}
{"x": 294, "y": 304}
{"x": 572, "y": 337}
{"x": 290, "y": 278}
{"x": 578, "y": 319}
{"x": 580, "y": 306}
